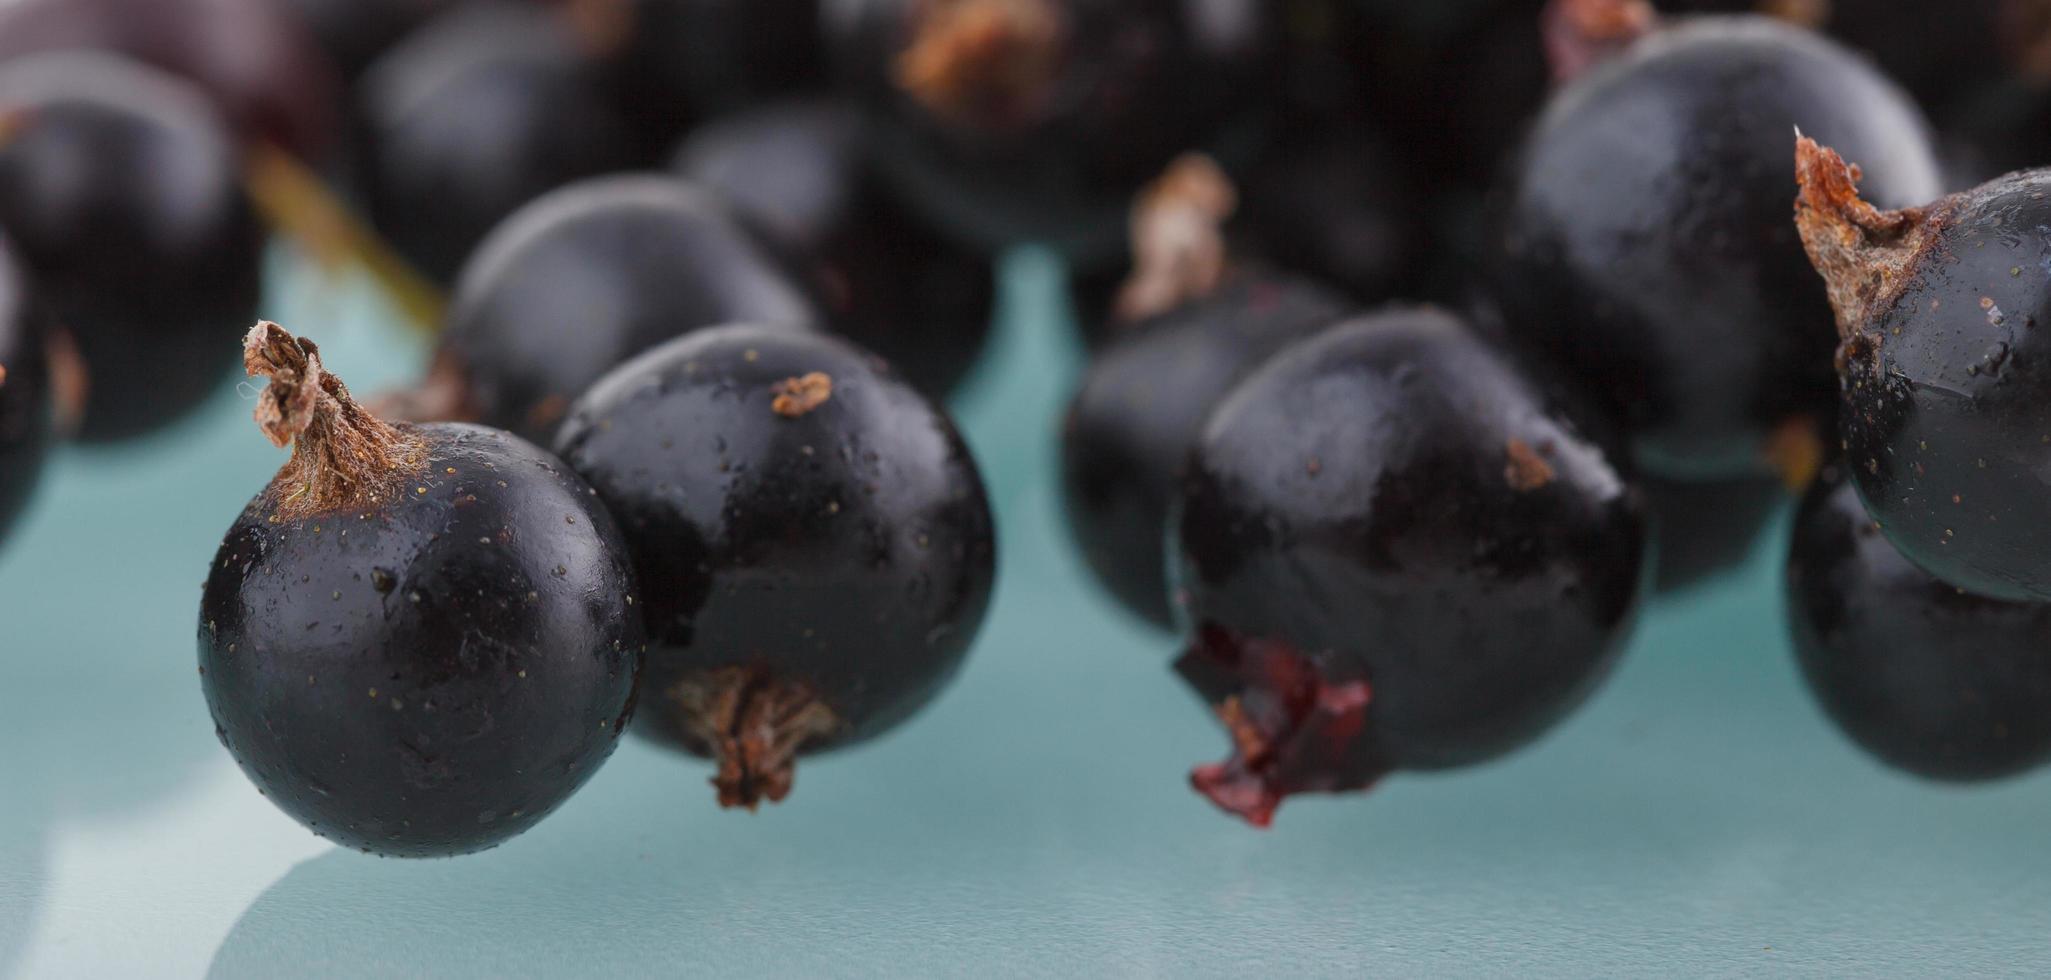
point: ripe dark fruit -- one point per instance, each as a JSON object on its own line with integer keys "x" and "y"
{"x": 812, "y": 535}
{"x": 252, "y": 59}
{"x": 1142, "y": 406}
{"x": 582, "y": 280}
{"x": 1925, "y": 676}
{"x": 1336, "y": 206}
{"x": 1036, "y": 119}
{"x": 122, "y": 187}
{"x": 1946, "y": 370}
{"x": 799, "y": 174}
{"x": 1645, "y": 241}
{"x": 1397, "y": 553}
{"x": 472, "y": 116}
{"x": 355, "y": 32}
{"x": 418, "y": 641}
{"x": 25, "y": 399}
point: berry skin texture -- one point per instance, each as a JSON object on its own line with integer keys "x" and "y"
{"x": 813, "y": 538}
{"x": 1946, "y": 372}
{"x": 1645, "y": 241}
{"x": 1398, "y": 553}
{"x": 122, "y": 187}
{"x": 472, "y": 116}
{"x": 1142, "y": 406}
{"x": 799, "y": 174}
{"x": 584, "y": 279}
{"x": 25, "y": 399}
{"x": 1924, "y": 676}
{"x": 419, "y": 640}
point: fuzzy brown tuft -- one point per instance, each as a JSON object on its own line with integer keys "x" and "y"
{"x": 342, "y": 456}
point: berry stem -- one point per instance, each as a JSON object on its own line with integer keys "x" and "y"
{"x": 754, "y": 725}
{"x": 1179, "y": 251}
{"x": 1580, "y": 34}
{"x": 989, "y": 63}
{"x": 342, "y": 456}
{"x": 1864, "y": 253}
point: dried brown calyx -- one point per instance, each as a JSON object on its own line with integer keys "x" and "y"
{"x": 342, "y": 456}
{"x": 1179, "y": 252}
{"x": 1580, "y": 34}
{"x": 753, "y": 724}
{"x": 1795, "y": 452}
{"x": 71, "y": 383}
{"x": 990, "y": 63}
{"x": 601, "y": 28}
{"x": 797, "y": 397}
{"x": 1812, "y": 14}
{"x": 1864, "y": 253}
{"x": 14, "y": 119}
{"x": 2025, "y": 29}
{"x": 1526, "y": 470}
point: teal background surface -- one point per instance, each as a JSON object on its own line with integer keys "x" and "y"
{"x": 1699, "y": 817}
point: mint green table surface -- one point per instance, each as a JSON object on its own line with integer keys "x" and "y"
{"x": 1698, "y": 818}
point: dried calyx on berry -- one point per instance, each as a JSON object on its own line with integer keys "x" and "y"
{"x": 1946, "y": 374}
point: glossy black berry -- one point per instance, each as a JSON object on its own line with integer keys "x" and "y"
{"x": 799, "y": 173}
{"x": 1925, "y": 676}
{"x": 419, "y": 640}
{"x": 472, "y": 116}
{"x": 1013, "y": 120}
{"x": 812, "y": 536}
{"x": 585, "y": 278}
{"x": 255, "y": 62}
{"x": 1141, "y": 407}
{"x": 1946, "y": 423}
{"x": 123, "y": 188}
{"x": 1396, "y": 552}
{"x": 25, "y": 398}
{"x": 1646, "y": 243}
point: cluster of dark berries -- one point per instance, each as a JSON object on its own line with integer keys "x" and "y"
{"x": 1430, "y": 339}
{"x": 1416, "y": 538}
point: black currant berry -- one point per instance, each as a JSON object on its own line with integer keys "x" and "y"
{"x": 419, "y": 640}
{"x": 123, "y": 188}
{"x": 1925, "y": 676}
{"x": 472, "y": 116}
{"x": 800, "y": 174}
{"x": 255, "y": 62}
{"x": 1396, "y": 552}
{"x": 583, "y": 279}
{"x": 355, "y": 32}
{"x": 1646, "y": 243}
{"x": 813, "y": 538}
{"x": 1946, "y": 389}
{"x": 1013, "y": 120}
{"x": 25, "y": 398}
{"x": 1143, "y": 404}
